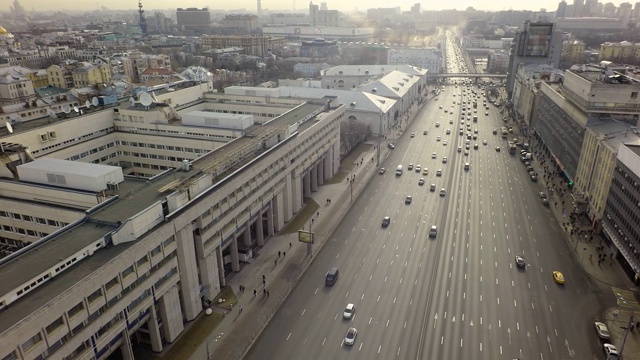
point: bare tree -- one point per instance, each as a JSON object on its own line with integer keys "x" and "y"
{"x": 352, "y": 133}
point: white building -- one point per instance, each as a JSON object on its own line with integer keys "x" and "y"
{"x": 313, "y": 32}
{"x": 498, "y": 61}
{"x": 139, "y": 258}
{"x": 347, "y": 77}
{"x": 311, "y": 70}
{"x": 428, "y": 58}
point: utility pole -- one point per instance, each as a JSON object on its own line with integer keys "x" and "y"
{"x": 626, "y": 332}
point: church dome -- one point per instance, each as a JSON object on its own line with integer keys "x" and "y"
{"x": 3, "y": 31}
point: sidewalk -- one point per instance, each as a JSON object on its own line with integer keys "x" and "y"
{"x": 591, "y": 252}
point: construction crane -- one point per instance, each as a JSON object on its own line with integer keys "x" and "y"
{"x": 143, "y": 21}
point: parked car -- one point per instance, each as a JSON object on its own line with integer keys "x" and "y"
{"x": 602, "y": 330}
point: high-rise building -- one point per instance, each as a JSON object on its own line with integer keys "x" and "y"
{"x": 562, "y": 9}
{"x": 193, "y": 17}
{"x": 536, "y": 43}
{"x": 578, "y": 6}
{"x": 259, "y": 8}
{"x": 319, "y": 17}
{"x": 18, "y": 11}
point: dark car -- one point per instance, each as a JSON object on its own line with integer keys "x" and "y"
{"x": 495, "y": 131}
{"x": 386, "y": 221}
{"x": 534, "y": 178}
{"x": 520, "y": 262}
{"x": 545, "y": 201}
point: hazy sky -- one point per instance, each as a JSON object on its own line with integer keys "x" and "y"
{"x": 300, "y": 5}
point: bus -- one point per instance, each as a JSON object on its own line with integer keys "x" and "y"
{"x": 504, "y": 132}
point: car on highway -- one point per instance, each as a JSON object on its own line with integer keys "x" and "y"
{"x": 391, "y": 146}
{"x": 443, "y": 192}
{"x": 444, "y": 160}
{"x": 484, "y": 142}
{"x": 602, "y": 330}
{"x": 495, "y": 131}
{"x": 545, "y": 201}
{"x": 433, "y": 231}
{"x": 349, "y": 311}
{"x": 432, "y": 187}
{"x": 444, "y": 143}
{"x": 408, "y": 199}
{"x": 439, "y": 172}
{"x": 413, "y": 134}
{"x": 611, "y": 352}
{"x": 425, "y": 132}
{"x": 497, "y": 148}
{"x": 459, "y": 148}
{"x": 558, "y": 277}
{"x": 534, "y": 178}
{"x": 475, "y": 146}
{"x": 382, "y": 171}
{"x": 466, "y": 153}
{"x": 437, "y": 124}
{"x": 434, "y": 155}
{"x": 421, "y": 181}
{"x": 438, "y": 138}
{"x": 520, "y": 262}
{"x": 350, "y": 338}
{"x": 386, "y": 221}
{"x": 418, "y": 168}
{"x": 410, "y": 167}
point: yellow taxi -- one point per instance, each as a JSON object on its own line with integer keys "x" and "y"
{"x": 425, "y": 171}
{"x": 558, "y": 277}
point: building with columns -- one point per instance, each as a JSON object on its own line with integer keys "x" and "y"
{"x": 135, "y": 256}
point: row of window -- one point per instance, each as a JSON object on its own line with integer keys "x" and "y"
{"x": 75, "y": 140}
{"x": 21, "y": 231}
{"x": 30, "y": 218}
{"x": 98, "y": 294}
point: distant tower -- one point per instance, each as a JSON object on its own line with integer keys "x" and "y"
{"x": 143, "y": 21}
{"x": 259, "y": 9}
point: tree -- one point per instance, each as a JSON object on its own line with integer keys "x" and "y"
{"x": 352, "y": 133}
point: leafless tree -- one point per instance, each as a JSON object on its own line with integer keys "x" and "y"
{"x": 352, "y": 133}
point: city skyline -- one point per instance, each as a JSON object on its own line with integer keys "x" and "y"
{"x": 250, "y": 5}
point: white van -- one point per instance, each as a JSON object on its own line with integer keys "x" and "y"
{"x": 399, "y": 170}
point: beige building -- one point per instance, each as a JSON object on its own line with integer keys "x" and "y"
{"x": 573, "y": 51}
{"x": 15, "y": 85}
{"x": 598, "y": 161}
{"x": 255, "y": 45}
{"x": 141, "y": 62}
{"x": 623, "y": 51}
{"x": 138, "y": 258}
{"x": 78, "y": 74}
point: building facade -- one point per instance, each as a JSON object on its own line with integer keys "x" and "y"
{"x": 193, "y": 17}
{"x": 254, "y": 45}
{"x": 625, "y": 52}
{"x": 319, "y": 48}
{"x": 573, "y": 51}
{"x": 535, "y": 43}
{"x": 242, "y": 24}
{"x": 622, "y": 213}
{"x": 429, "y": 58}
{"x": 16, "y": 85}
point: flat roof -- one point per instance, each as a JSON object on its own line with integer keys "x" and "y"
{"x": 134, "y": 196}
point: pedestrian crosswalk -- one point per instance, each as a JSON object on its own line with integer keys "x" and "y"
{"x": 626, "y": 298}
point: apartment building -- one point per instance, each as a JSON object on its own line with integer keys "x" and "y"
{"x": 427, "y": 58}
{"x": 573, "y": 51}
{"x": 193, "y": 17}
{"x": 624, "y": 52}
{"x": 242, "y": 24}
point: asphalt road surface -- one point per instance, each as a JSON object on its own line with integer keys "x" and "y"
{"x": 458, "y": 295}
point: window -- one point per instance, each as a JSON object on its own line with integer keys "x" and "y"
{"x": 76, "y": 309}
{"x": 95, "y": 296}
{"x": 55, "y": 325}
{"x": 35, "y": 340}
{"x": 128, "y": 271}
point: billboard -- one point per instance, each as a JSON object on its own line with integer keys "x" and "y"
{"x": 538, "y": 40}
{"x": 305, "y": 236}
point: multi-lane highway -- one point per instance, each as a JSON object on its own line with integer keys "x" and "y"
{"x": 458, "y": 295}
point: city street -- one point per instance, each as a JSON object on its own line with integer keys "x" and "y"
{"x": 460, "y": 294}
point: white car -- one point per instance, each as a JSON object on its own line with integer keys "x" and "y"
{"x": 438, "y": 138}
{"x": 611, "y": 351}
{"x": 348, "y": 311}
{"x": 350, "y": 338}
{"x": 602, "y": 330}
{"x": 444, "y": 160}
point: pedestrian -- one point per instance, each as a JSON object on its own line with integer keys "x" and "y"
{"x": 264, "y": 282}
{"x": 240, "y": 312}
{"x": 279, "y": 253}
{"x": 318, "y": 213}
{"x": 267, "y": 293}
{"x": 289, "y": 245}
{"x": 275, "y": 263}
{"x": 284, "y": 253}
{"x": 263, "y": 277}
{"x": 264, "y": 291}
{"x": 590, "y": 256}
{"x": 255, "y": 292}
{"x": 610, "y": 255}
